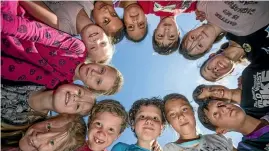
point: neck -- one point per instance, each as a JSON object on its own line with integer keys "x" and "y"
{"x": 125, "y": 4}
{"x": 41, "y": 101}
{"x": 236, "y": 95}
{"x": 234, "y": 52}
{"x": 217, "y": 29}
{"x": 191, "y": 135}
{"x": 145, "y": 144}
{"x": 248, "y": 126}
{"x": 82, "y": 20}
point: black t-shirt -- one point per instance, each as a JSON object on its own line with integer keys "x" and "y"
{"x": 255, "y": 89}
{"x": 256, "y": 45}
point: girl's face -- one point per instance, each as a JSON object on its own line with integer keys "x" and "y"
{"x": 97, "y": 43}
{"x": 199, "y": 40}
{"x": 148, "y": 123}
{"x": 215, "y": 92}
{"x": 73, "y": 99}
{"x": 217, "y": 67}
{"x": 97, "y": 76}
{"x": 180, "y": 115}
{"x": 46, "y": 135}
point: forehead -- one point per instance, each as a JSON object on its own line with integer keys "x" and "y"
{"x": 175, "y": 104}
{"x": 107, "y": 117}
{"x": 149, "y": 109}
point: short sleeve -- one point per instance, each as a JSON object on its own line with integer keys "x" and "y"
{"x": 216, "y": 142}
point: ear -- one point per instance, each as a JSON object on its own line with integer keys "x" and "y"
{"x": 221, "y": 131}
{"x": 212, "y": 55}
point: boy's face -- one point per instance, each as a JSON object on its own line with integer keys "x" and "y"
{"x": 225, "y": 115}
{"x": 199, "y": 40}
{"x": 166, "y": 32}
{"x": 215, "y": 92}
{"x": 106, "y": 17}
{"x": 135, "y": 21}
{"x": 102, "y": 131}
{"x": 148, "y": 123}
{"x": 180, "y": 115}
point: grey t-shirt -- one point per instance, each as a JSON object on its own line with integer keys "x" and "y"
{"x": 240, "y": 18}
{"x": 208, "y": 142}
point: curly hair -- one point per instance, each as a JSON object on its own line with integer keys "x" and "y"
{"x": 196, "y": 92}
{"x": 113, "y": 107}
{"x": 117, "y": 36}
{"x": 118, "y": 83}
{"x": 164, "y": 49}
{"x": 204, "y": 119}
{"x": 176, "y": 96}
{"x": 155, "y": 101}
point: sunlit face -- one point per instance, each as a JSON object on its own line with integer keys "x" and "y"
{"x": 97, "y": 43}
{"x": 106, "y": 17}
{"x": 199, "y": 40}
{"x": 104, "y": 130}
{"x": 166, "y": 32}
{"x": 148, "y": 123}
{"x": 180, "y": 115}
{"x": 225, "y": 115}
{"x": 47, "y": 135}
{"x": 217, "y": 67}
{"x": 73, "y": 99}
{"x": 97, "y": 76}
{"x": 135, "y": 21}
{"x": 215, "y": 92}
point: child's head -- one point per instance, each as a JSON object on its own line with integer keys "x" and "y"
{"x": 101, "y": 79}
{"x": 107, "y": 121}
{"x": 204, "y": 93}
{"x": 179, "y": 113}
{"x": 106, "y": 17}
{"x": 99, "y": 46}
{"x": 165, "y": 38}
{"x": 197, "y": 42}
{"x": 73, "y": 99}
{"x": 59, "y": 133}
{"x": 221, "y": 116}
{"x": 146, "y": 118}
{"x": 135, "y": 22}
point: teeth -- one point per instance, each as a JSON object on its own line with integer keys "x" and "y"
{"x": 98, "y": 141}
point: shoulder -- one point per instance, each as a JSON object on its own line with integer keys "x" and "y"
{"x": 120, "y": 147}
{"x": 218, "y": 140}
{"x": 170, "y": 147}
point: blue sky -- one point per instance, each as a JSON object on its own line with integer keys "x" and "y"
{"x": 147, "y": 74}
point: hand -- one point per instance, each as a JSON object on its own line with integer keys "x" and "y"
{"x": 156, "y": 146}
{"x": 200, "y": 15}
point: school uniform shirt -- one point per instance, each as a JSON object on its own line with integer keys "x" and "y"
{"x": 255, "y": 89}
{"x": 167, "y": 8}
{"x": 14, "y": 105}
{"x": 240, "y": 18}
{"x": 256, "y": 141}
{"x": 67, "y": 11}
{"x": 35, "y": 52}
{"x": 126, "y": 147}
{"x": 207, "y": 142}
{"x": 255, "y": 45}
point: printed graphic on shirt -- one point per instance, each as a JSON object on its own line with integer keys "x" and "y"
{"x": 260, "y": 89}
{"x": 171, "y": 8}
{"x": 266, "y": 49}
{"x": 229, "y": 17}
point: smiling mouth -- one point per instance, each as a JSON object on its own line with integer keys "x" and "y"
{"x": 67, "y": 98}
{"x": 149, "y": 128}
{"x": 220, "y": 64}
{"x": 98, "y": 141}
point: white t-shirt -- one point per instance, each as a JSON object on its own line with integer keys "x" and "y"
{"x": 240, "y": 18}
{"x": 208, "y": 142}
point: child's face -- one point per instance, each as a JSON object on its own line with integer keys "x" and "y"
{"x": 180, "y": 115}
{"x": 97, "y": 76}
{"x": 148, "y": 123}
{"x": 46, "y": 135}
{"x": 97, "y": 43}
{"x": 225, "y": 115}
{"x": 135, "y": 21}
{"x": 217, "y": 67}
{"x": 215, "y": 92}
{"x": 166, "y": 32}
{"x": 73, "y": 99}
{"x": 199, "y": 40}
{"x": 106, "y": 17}
{"x": 104, "y": 130}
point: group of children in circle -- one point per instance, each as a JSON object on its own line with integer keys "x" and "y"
{"x": 41, "y": 58}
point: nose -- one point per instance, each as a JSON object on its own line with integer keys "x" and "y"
{"x": 180, "y": 116}
{"x": 101, "y": 132}
{"x": 148, "y": 120}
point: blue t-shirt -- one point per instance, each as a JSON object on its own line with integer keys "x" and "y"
{"x": 126, "y": 147}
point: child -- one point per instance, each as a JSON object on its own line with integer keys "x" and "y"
{"x": 59, "y": 133}
{"x": 59, "y": 59}
{"x": 237, "y": 18}
{"x": 179, "y": 113}
{"x": 102, "y": 132}
{"x": 147, "y": 122}
{"x": 166, "y": 39}
{"x": 106, "y": 17}
{"x": 223, "y": 117}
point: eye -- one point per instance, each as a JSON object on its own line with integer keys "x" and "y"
{"x": 114, "y": 14}
{"x": 215, "y": 114}
{"x": 111, "y": 130}
{"x": 106, "y": 21}
{"x": 52, "y": 142}
{"x": 99, "y": 81}
{"x": 78, "y": 106}
{"x": 160, "y": 35}
{"x": 79, "y": 92}
{"x": 103, "y": 44}
{"x": 102, "y": 70}
{"x": 48, "y": 126}
{"x": 200, "y": 45}
{"x": 141, "y": 117}
{"x": 172, "y": 115}
{"x": 172, "y": 36}
{"x": 156, "y": 119}
{"x": 98, "y": 124}
{"x": 141, "y": 25}
{"x": 185, "y": 109}
{"x": 192, "y": 37}
{"x": 130, "y": 27}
